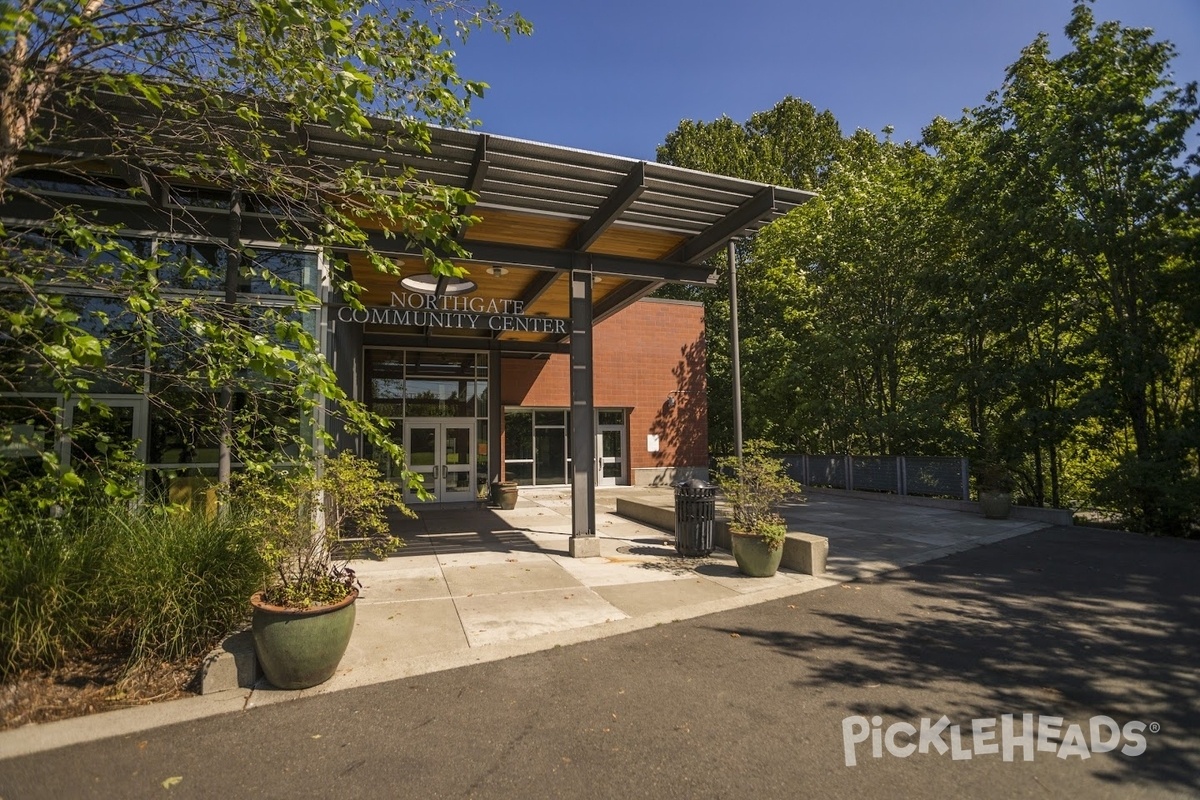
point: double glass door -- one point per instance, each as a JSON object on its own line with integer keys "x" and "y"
{"x": 442, "y": 452}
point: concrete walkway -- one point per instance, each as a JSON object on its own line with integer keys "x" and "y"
{"x": 476, "y": 585}
{"x": 471, "y": 579}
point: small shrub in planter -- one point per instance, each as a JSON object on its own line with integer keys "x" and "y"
{"x": 311, "y": 523}
{"x": 753, "y": 487}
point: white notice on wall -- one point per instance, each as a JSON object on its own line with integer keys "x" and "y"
{"x": 652, "y": 443}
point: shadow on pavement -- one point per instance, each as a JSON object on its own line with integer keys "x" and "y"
{"x": 1067, "y": 622}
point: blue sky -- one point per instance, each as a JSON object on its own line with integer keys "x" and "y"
{"x": 616, "y": 76}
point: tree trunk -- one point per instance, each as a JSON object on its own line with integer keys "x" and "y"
{"x": 233, "y": 264}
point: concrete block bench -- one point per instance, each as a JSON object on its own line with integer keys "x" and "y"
{"x": 803, "y": 552}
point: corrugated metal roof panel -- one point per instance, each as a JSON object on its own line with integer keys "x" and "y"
{"x": 565, "y": 182}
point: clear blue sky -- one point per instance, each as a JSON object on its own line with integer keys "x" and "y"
{"x": 617, "y": 76}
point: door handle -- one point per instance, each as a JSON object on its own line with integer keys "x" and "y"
{"x": 445, "y": 472}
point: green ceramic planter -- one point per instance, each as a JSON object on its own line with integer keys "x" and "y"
{"x": 752, "y": 556}
{"x": 301, "y": 648}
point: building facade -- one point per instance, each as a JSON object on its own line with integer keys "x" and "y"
{"x": 547, "y": 363}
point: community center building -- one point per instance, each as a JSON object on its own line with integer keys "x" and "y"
{"x": 548, "y": 364}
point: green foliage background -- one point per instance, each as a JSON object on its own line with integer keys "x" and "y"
{"x": 1020, "y": 287}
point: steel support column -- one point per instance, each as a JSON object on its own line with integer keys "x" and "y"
{"x": 583, "y": 434}
{"x": 495, "y": 418}
{"x": 344, "y": 347}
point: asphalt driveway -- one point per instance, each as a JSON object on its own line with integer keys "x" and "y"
{"x": 1069, "y": 623}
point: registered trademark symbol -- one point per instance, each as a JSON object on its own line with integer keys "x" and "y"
{"x": 1155, "y": 727}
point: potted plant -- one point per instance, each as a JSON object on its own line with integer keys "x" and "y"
{"x": 504, "y": 494}
{"x": 311, "y": 523}
{"x": 995, "y": 484}
{"x": 753, "y": 487}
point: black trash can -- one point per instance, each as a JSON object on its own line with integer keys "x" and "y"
{"x": 695, "y": 510}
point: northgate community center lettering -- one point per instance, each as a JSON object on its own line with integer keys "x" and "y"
{"x": 464, "y": 320}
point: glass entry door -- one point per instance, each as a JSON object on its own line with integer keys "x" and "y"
{"x": 610, "y": 454}
{"x": 442, "y": 452}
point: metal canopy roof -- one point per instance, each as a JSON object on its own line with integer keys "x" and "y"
{"x": 594, "y": 190}
{"x": 546, "y": 210}
{"x": 543, "y": 211}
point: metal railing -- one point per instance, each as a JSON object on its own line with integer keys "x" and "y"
{"x": 906, "y": 475}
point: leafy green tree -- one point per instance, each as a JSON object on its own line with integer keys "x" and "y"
{"x": 127, "y": 98}
{"x": 849, "y": 266}
{"x": 1022, "y": 288}
{"x": 791, "y": 144}
{"x": 1086, "y": 157}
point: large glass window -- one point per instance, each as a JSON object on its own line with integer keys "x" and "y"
{"x": 536, "y": 446}
{"x": 176, "y": 427}
{"x": 53, "y": 182}
{"x": 422, "y": 383}
{"x": 26, "y": 435}
{"x": 201, "y": 266}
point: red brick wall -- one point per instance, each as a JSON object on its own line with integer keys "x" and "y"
{"x": 642, "y": 354}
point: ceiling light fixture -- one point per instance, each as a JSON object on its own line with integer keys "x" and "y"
{"x": 496, "y": 272}
{"x": 441, "y": 286}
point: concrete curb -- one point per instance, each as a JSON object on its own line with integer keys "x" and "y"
{"x": 231, "y": 665}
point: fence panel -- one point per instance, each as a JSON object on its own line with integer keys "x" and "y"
{"x": 935, "y": 476}
{"x": 875, "y": 473}
{"x": 827, "y": 471}
{"x": 938, "y": 476}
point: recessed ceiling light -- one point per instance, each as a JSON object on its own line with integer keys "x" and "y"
{"x": 597, "y": 279}
{"x": 496, "y": 272}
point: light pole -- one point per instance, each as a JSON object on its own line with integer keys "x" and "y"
{"x": 735, "y": 349}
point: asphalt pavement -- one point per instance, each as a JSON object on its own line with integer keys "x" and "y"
{"x": 1094, "y": 634}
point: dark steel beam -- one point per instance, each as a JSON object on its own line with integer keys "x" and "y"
{"x": 475, "y": 179}
{"x": 561, "y": 260}
{"x": 380, "y": 339}
{"x": 495, "y": 418}
{"x": 708, "y": 241}
{"x": 619, "y": 266}
{"x": 154, "y": 189}
{"x": 735, "y": 352}
{"x": 138, "y": 217}
{"x": 626, "y": 193}
{"x": 540, "y": 284}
